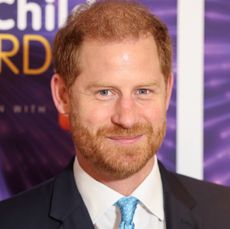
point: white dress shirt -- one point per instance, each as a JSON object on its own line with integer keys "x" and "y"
{"x": 100, "y": 199}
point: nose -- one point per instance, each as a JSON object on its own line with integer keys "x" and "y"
{"x": 125, "y": 113}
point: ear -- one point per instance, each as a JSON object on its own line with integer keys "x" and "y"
{"x": 169, "y": 88}
{"x": 60, "y": 94}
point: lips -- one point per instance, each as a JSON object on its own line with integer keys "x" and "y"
{"x": 125, "y": 139}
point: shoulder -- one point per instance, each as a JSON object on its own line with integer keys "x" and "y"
{"x": 31, "y": 206}
{"x": 204, "y": 189}
{"x": 198, "y": 189}
{"x": 44, "y": 206}
{"x": 36, "y": 193}
{"x": 208, "y": 202}
{"x": 212, "y": 200}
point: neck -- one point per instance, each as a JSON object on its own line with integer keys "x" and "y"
{"x": 125, "y": 186}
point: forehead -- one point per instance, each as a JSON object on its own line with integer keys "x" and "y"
{"x": 127, "y": 50}
{"x": 119, "y": 60}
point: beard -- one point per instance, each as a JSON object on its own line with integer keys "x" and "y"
{"x": 117, "y": 161}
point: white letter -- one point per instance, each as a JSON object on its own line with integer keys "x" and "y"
{"x": 62, "y": 12}
{"x": 7, "y": 24}
{"x": 49, "y": 15}
{"x": 23, "y": 9}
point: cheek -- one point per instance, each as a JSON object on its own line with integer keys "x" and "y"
{"x": 154, "y": 113}
{"x": 94, "y": 116}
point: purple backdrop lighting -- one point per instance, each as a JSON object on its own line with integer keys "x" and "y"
{"x": 217, "y": 90}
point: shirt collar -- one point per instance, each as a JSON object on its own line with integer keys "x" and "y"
{"x": 150, "y": 192}
{"x": 98, "y": 197}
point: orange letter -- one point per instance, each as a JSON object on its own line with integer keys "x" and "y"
{"x": 4, "y": 55}
{"x": 26, "y": 62}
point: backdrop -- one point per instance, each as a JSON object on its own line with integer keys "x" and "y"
{"x": 217, "y": 92}
{"x": 33, "y": 143}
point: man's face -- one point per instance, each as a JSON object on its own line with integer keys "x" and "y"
{"x": 118, "y": 106}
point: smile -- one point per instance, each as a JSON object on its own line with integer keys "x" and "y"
{"x": 125, "y": 139}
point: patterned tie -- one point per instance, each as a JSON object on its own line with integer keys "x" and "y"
{"x": 127, "y": 207}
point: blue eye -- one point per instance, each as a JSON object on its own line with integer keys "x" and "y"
{"x": 104, "y": 92}
{"x": 143, "y": 91}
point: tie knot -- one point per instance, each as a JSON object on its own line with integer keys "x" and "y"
{"x": 127, "y": 207}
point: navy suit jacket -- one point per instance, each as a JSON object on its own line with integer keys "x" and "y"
{"x": 57, "y": 204}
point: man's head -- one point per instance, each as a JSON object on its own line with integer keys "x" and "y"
{"x": 113, "y": 63}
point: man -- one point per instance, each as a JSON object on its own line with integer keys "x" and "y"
{"x": 113, "y": 81}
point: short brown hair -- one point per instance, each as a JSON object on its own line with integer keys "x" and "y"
{"x": 108, "y": 21}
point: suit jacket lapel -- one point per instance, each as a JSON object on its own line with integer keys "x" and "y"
{"x": 179, "y": 204}
{"x": 67, "y": 205}
{"x": 68, "y": 208}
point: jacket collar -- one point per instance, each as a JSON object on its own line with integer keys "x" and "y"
{"x": 178, "y": 203}
{"x": 67, "y": 205}
{"x": 68, "y": 208}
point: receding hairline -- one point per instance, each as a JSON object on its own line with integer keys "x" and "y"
{"x": 107, "y": 26}
{"x": 110, "y": 42}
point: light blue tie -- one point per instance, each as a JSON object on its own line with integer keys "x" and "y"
{"x": 127, "y": 207}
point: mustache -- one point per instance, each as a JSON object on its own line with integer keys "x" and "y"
{"x": 136, "y": 129}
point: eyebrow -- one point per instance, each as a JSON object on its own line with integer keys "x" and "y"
{"x": 153, "y": 84}
{"x": 98, "y": 85}
{"x": 109, "y": 85}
